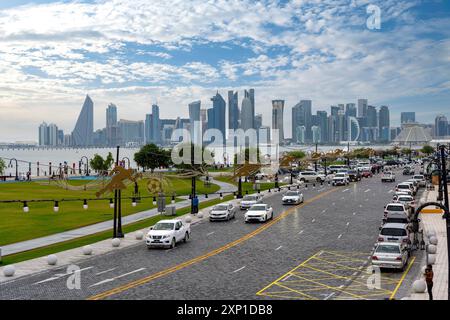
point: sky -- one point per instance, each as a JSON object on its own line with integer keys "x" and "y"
{"x": 136, "y": 53}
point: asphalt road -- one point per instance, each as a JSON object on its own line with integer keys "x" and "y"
{"x": 317, "y": 250}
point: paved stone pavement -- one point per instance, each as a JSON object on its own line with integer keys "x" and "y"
{"x": 435, "y": 222}
{"x": 234, "y": 260}
{"x": 101, "y": 226}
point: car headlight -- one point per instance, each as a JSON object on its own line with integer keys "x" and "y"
{"x": 166, "y": 236}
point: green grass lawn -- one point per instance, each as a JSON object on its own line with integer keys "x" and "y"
{"x": 41, "y": 220}
{"x": 248, "y": 186}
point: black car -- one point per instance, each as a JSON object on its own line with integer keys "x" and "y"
{"x": 354, "y": 175}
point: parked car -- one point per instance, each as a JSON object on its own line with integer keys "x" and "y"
{"x": 310, "y": 176}
{"x": 395, "y": 207}
{"x": 391, "y": 255}
{"x": 395, "y": 217}
{"x": 403, "y": 192}
{"x": 366, "y": 173}
{"x": 420, "y": 178}
{"x": 224, "y": 211}
{"x": 335, "y": 167}
{"x": 167, "y": 233}
{"x": 292, "y": 197}
{"x": 413, "y": 185}
{"x": 340, "y": 179}
{"x": 408, "y": 201}
{"x": 249, "y": 200}
{"x": 405, "y": 186}
{"x": 388, "y": 176}
{"x": 259, "y": 212}
{"x": 354, "y": 175}
{"x": 395, "y": 232}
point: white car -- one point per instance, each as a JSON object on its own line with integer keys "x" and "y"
{"x": 391, "y": 255}
{"x": 224, "y": 211}
{"x": 408, "y": 201}
{"x": 340, "y": 179}
{"x": 405, "y": 186}
{"x": 310, "y": 176}
{"x": 249, "y": 200}
{"x": 420, "y": 178}
{"x": 395, "y": 207}
{"x": 395, "y": 232}
{"x": 259, "y": 212}
{"x": 388, "y": 176}
{"x": 292, "y": 197}
{"x": 167, "y": 233}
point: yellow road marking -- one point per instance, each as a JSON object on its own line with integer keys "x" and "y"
{"x": 188, "y": 263}
{"x": 296, "y": 291}
{"x": 402, "y": 279}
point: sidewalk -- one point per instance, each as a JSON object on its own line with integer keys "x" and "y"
{"x": 101, "y": 226}
{"x": 74, "y": 256}
{"x": 434, "y": 222}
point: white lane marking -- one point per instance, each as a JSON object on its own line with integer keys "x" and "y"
{"x": 367, "y": 190}
{"x": 345, "y": 190}
{"x": 60, "y": 275}
{"x": 236, "y": 221}
{"x": 367, "y": 199}
{"x": 117, "y": 277}
{"x": 355, "y": 273}
{"x": 354, "y": 213}
{"x": 329, "y": 296}
{"x": 334, "y": 203}
{"x": 348, "y": 223}
{"x": 390, "y": 191}
{"x": 360, "y": 205}
{"x": 102, "y": 272}
{"x": 341, "y": 286}
{"x": 325, "y": 210}
{"x": 301, "y": 231}
{"x": 208, "y": 234}
{"x": 237, "y": 270}
{"x": 313, "y": 220}
{"x": 285, "y": 278}
{"x": 278, "y": 248}
{"x": 340, "y": 236}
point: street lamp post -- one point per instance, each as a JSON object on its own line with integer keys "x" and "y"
{"x": 10, "y": 165}
{"x": 444, "y": 182}
{"x": 193, "y": 182}
{"x": 118, "y": 206}
{"x": 315, "y": 162}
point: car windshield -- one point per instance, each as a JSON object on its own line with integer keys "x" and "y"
{"x": 382, "y": 248}
{"x": 221, "y": 207}
{"x": 388, "y": 173}
{"x": 396, "y": 232}
{"x": 352, "y": 172}
{"x": 405, "y": 199}
{"x": 291, "y": 193}
{"x": 419, "y": 177}
{"x": 396, "y": 220}
{"x": 403, "y": 186}
{"x": 163, "y": 226}
{"x": 340, "y": 175}
{"x": 394, "y": 208}
{"x": 249, "y": 198}
{"x": 257, "y": 208}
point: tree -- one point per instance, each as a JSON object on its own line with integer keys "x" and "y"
{"x": 427, "y": 150}
{"x": 406, "y": 151}
{"x": 2, "y": 166}
{"x": 101, "y": 165}
{"x": 151, "y": 157}
{"x": 297, "y": 155}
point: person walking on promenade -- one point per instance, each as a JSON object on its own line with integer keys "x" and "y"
{"x": 429, "y": 280}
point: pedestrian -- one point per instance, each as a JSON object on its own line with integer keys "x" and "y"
{"x": 429, "y": 280}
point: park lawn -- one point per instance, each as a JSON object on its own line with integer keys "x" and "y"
{"x": 79, "y": 242}
{"x": 248, "y": 186}
{"x": 41, "y": 220}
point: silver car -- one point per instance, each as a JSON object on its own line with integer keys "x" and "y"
{"x": 395, "y": 232}
{"x": 225, "y": 211}
{"x": 392, "y": 255}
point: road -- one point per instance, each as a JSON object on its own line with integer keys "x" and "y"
{"x": 317, "y": 250}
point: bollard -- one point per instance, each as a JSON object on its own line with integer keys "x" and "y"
{"x": 87, "y": 250}
{"x": 431, "y": 248}
{"x": 433, "y": 240}
{"x": 431, "y": 258}
{"x": 9, "y": 270}
{"x": 52, "y": 259}
{"x": 115, "y": 242}
{"x": 139, "y": 235}
{"x": 200, "y": 215}
{"x": 188, "y": 219}
{"x": 419, "y": 286}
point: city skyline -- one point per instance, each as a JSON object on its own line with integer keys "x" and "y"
{"x": 52, "y": 53}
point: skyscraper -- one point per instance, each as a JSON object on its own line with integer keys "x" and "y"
{"x": 250, "y": 94}
{"x": 322, "y": 123}
{"x": 316, "y": 134}
{"x": 372, "y": 119}
{"x": 194, "y": 122}
{"x": 216, "y": 115}
{"x": 148, "y": 125}
{"x": 247, "y": 116}
{"x": 52, "y": 134}
{"x": 277, "y": 118}
{"x": 111, "y": 125}
{"x": 233, "y": 110}
{"x": 156, "y": 124}
{"x": 301, "y": 116}
{"x": 43, "y": 134}
{"x": 407, "y": 117}
{"x": 258, "y": 121}
{"x": 384, "y": 124}
{"x": 441, "y": 126}
{"x": 83, "y": 133}
{"x": 350, "y": 110}
{"x": 362, "y": 108}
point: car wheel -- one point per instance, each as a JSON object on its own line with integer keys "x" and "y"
{"x": 186, "y": 237}
{"x": 173, "y": 243}
{"x": 318, "y": 179}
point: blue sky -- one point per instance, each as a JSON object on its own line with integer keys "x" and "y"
{"x": 134, "y": 53}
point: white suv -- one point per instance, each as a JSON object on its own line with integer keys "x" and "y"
{"x": 166, "y": 233}
{"x": 310, "y": 176}
{"x": 388, "y": 176}
{"x": 340, "y": 179}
